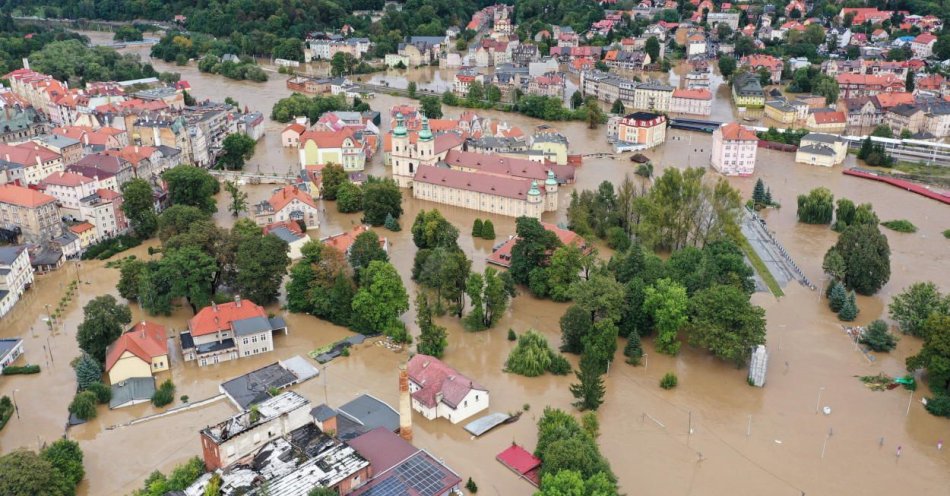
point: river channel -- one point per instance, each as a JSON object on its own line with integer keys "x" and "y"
{"x": 744, "y": 440}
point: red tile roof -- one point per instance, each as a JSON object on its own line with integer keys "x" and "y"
{"x": 497, "y": 164}
{"x": 295, "y": 127}
{"x": 521, "y": 462}
{"x": 23, "y": 197}
{"x": 81, "y": 227}
{"x": 68, "y": 179}
{"x": 145, "y": 340}
{"x": 888, "y": 100}
{"x": 219, "y": 317}
{"x": 925, "y": 39}
{"x": 27, "y": 154}
{"x": 695, "y": 94}
{"x": 737, "y": 132}
{"x": 287, "y": 194}
{"x": 345, "y": 240}
{"x": 132, "y": 154}
{"x": 328, "y": 139}
{"x": 502, "y": 255}
{"x": 830, "y": 117}
{"x": 757, "y": 60}
{"x": 434, "y": 377}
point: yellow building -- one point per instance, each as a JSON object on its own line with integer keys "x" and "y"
{"x": 553, "y": 145}
{"x": 336, "y": 147}
{"x": 86, "y": 233}
{"x": 140, "y": 352}
{"x": 833, "y": 122}
{"x": 780, "y": 111}
{"x": 642, "y": 128}
{"x": 747, "y": 91}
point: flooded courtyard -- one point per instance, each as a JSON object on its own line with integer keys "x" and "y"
{"x": 744, "y": 440}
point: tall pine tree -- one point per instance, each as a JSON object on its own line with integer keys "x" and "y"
{"x": 432, "y": 337}
{"x": 589, "y": 392}
{"x": 758, "y": 193}
{"x": 838, "y": 296}
{"x": 488, "y": 230}
{"x": 477, "y": 228}
{"x": 849, "y": 311}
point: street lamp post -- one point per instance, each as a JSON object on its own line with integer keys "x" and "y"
{"x": 15, "y": 407}
{"x": 818, "y": 403}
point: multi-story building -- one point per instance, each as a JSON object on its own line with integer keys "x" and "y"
{"x": 547, "y": 85}
{"x": 69, "y": 188}
{"x": 653, "y": 96}
{"x": 16, "y": 276}
{"x": 691, "y": 101}
{"x": 642, "y": 128}
{"x": 857, "y": 85}
{"x": 747, "y": 91}
{"x": 35, "y": 162}
{"x": 70, "y": 149}
{"x": 923, "y": 45}
{"x": 826, "y": 121}
{"x": 111, "y": 171}
{"x": 493, "y": 193}
{"x": 756, "y": 62}
{"x": 734, "y": 149}
{"x": 103, "y": 209}
{"x": 607, "y": 88}
{"x": 289, "y": 203}
{"x": 229, "y": 331}
{"x": 20, "y": 123}
{"x": 337, "y": 147}
{"x": 730, "y": 19}
{"x": 406, "y": 157}
{"x": 35, "y": 214}
{"x": 826, "y": 150}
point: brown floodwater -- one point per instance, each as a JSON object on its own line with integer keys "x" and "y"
{"x": 644, "y": 429}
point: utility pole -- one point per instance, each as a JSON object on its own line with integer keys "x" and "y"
{"x": 748, "y": 431}
{"x": 689, "y": 434}
{"x": 15, "y": 407}
{"x": 818, "y": 403}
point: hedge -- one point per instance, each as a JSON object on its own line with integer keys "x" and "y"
{"x": 26, "y": 369}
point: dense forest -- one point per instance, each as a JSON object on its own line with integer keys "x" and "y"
{"x": 18, "y": 41}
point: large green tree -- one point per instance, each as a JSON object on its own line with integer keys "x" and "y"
{"x": 261, "y": 263}
{"x": 564, "y": 271}
{"x": 589, "y": 390}
{"x": 532, "y": 249}
{"x": 723, "y": 321}
{"x": 431, "y": 230}
{"x": 190, "y": 185}
{"x": 576, "y": 325}
{"x": 817, "y": 207}
{"x": 601, "y": 296}
{"x": 934, "y": 356}
{"x": 332, "y": 177}
{"x": 432, "y": 337}
{"x": 667, "y": 304}
{"x": 381, "y": 197}
{"x": 24, "y": 473}
{"x": 195, "y": 272}
{"x": 571, "y": 483}
{"x": 103, "y": 322}
{"x": 912, "y": 306}
{"x": 138, "y": 205}
{"x": 867, "y": 258}
{"x": 379, "y": 302}
{"x": 66, "y": 457}
{"x": 237, "y": 149}
{"x": 365, "y": 250}
{"x": 489, "y": 294}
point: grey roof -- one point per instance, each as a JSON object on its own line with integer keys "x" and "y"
{"x": 224, "y": 344}
{"x": 10, "y": 253}
{"x": 187, "y": 342}
{"x": 47, "y": 255}
{"x": 67, "y": 238}
{"x": 371, "y": 413}
{"x": 818, "y": 149}
{"x": 781, "y": 105}
{"x": 655, "y": 85}
{"x": 285, "y": 234}
{"x": 58, "y": 140}
{"x": 748, "y": 84}
{"x": 906, "y": 110}
{"x": 253, "y": 325}
{"x": 132, "y": 390}
{"x": 322, "y": 412}
{"x": 168, "y": 151}
{"x": 277, "y": 323}
{"x": 252, "y": 387}
{"x": 3, "y": 293}
{"x": 6, "y": 345}
{"x": 431, "y": 40}
{"x": 822, "y": 137}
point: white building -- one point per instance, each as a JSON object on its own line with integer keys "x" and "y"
{"x": 16, "y": 275}
{"x": 826, "y": 150}
{"x": 438, "y": 390}
{"x": 10, "y": 350}
{"x": 733, "y": 151}
{"x": 691, "y": 101}
{"x": 69, "y": 188}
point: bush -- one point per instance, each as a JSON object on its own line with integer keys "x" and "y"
{"x": 903, "y": 226}
{"x": 26, "y": 369}
{"x": 471, "y": 486}
{"x": 6, "y": 411}
{"x": 165, "y": 394}
{"x": 511, "y": 335}
{"x": 669, "y": 381}
{"x": 533, "y": 357}
{"x": 477, "y": 228}
{"x": 488, "y": 230}
{"x": 83, "y": 405}
{"x": 88, "y": 371}
{"x": 110, "y": 247}
{"x": 939, "y": 405}
{"x": 617, "y": 239}
{"x": 946, "y": 234}
{"x": 877, "y": 337}
{"x": 103, "y": 393}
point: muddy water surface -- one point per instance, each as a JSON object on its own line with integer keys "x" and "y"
{"x": 645, "y": 431}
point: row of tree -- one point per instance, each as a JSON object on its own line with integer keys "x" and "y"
{"x": 298, "y": 105}
{"x": 179, "y": 47}
{"x": 921, "y": 310}
{"x": 245, "y": 68}
{"x": 571, "y": 462}
{"x": 55, "y": 471}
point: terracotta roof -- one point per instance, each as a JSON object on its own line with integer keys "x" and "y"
{"x": 101, "y": 161}
{"x": 433, "y": 376}
{"x": 696, "y": 94}
{"x": 502, "y": 255}
{"x": 490, "y": 184}
{"x": 81, "y": 227}
{"x": 26, "y": 154}
{"x": 145, "y": 340}
{"x": 287, "y": 194}
{"x": 737, "y": 132}
{"x": 295, "y": 127}
{"x": 868, "y": 79}
{"x": 219, "y": 317}
{"x": 24, "y": 197}
{"x": 328, "y": 139}
{"x": 829, "y": 117}
{"x": 497, "y": 164}
{"x": 888, "y": 100}
{"x": 925, "y": 39}
{"x": 132, "y": 154}
{"x": 345, "y": 240}
{"x": 757, "y": 60}
{"x": 68, "y": 179}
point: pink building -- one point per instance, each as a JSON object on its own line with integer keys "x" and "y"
{"x": 733, "y": 151}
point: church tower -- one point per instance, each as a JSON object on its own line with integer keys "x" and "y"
{"x": 550, "y": 190}
{"x": 426, "y": 145}
{"x": 401, "y": 155}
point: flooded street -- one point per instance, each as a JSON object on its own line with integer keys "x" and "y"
{"x": 644, "y": 429}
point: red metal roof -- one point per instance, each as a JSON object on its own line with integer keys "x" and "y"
{"x": 521, "y": 462}
{"x": 219, "y": 317}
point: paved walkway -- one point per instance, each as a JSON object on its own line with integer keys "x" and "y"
{"x": 776, "y": 259}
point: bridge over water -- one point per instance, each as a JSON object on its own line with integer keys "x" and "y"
{"x": 245, "y": 177}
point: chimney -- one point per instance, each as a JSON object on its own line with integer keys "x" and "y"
{"x": 405, "y": 408}
{"x": 237, "y": 301}
{"x": 26, "y": 63}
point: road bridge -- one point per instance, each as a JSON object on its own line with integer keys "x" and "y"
{"x": 246, "y": 177}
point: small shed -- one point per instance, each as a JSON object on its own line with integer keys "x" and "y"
{"x": 519, "y": 461}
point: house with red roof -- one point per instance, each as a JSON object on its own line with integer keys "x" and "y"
{"x": 760, "y": 61}
{"x": 344, "y": 241}
{"x": 734, "y": 150}
{"x": 35, "y": 213}
{"x": 696, "y": 101}
{"x": 69, "y": 188}
{"x": 337, "y": 147}
{"x": 439, "y": 391}
{"x": 229, "y": 331}
{"x": 855, "y": 85}
{"x": 826, "y": 121}
{"x": 140, "y": 352}
{"x": 923, "y": 45}
{"x": 864, "y": 14}
{"x": 290, "y": 203}
{"x": 32, "y": 162}
{"x": 290, "y": 136}
{"x": 501, "y": 253}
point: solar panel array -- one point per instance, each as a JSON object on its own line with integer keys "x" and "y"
{"x": 416, "y": 474}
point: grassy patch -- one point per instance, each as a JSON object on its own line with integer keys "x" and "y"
{"x": 759, "y": 266}
{"x": 946, "y": 234}
{"x": 901, "y": 225}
